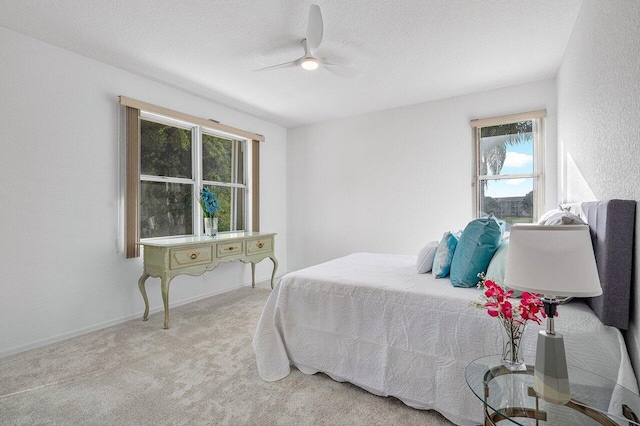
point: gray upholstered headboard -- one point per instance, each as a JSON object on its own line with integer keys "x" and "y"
{"x": 612, "y": 228}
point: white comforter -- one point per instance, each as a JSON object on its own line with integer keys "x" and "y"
{"x": 371, "y": 320}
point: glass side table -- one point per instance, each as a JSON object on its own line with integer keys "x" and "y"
{"x": 508, "y": 397}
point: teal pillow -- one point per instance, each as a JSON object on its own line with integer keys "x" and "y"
{"x": 444, "y": 255}
{"x": 478, "y": 243}
{"x": 498, "y": 266}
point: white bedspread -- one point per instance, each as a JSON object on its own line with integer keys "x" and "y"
{"x": 371, "y": 320}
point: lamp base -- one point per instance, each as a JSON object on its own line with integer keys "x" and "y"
{"x": 551, "y": 379}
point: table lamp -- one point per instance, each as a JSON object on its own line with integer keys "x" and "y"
{"x": 555, "y": 262}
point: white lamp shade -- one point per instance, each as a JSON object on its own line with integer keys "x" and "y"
{"x": 552, "y": 261}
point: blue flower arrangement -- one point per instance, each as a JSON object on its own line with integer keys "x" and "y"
{"x": 209, "y": 202}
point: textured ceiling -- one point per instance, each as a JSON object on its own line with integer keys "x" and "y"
{"x": 408, "y": 51}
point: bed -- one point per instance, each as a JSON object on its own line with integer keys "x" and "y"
{"x": 371, "y": 320}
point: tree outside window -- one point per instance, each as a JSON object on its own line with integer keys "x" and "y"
{"x": 508, "y": 170}
{"x": 169, "y": 185}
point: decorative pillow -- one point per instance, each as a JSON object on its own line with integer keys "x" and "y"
{"x": 426, "y": 256}
{"x": 561, "y": 216}
{"x": 550, "y": 213}
{"x": 498, "y": 266}
{"x": 478, "y": 242}
{"x": 444, "y": 254}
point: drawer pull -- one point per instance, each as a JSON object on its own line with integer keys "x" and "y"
{"x": 260, "y": 244}
{"x": 231, "y": 248}
{"x": 194, "y": 255}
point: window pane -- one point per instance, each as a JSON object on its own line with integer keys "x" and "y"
{"x": 232, "y": 205}
{"x": 507, "y": 149}
{"x": 239, "y": 163}
{"x": 164, "y": 150}
{"x": 508, "y": 199}
{"x": 222, "y": 159}
{"x": 165, "y": 209}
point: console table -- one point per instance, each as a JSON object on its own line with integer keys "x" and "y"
{"x": 169, "y": 257}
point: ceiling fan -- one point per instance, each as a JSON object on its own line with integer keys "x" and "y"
{"x": 310, "y": 61}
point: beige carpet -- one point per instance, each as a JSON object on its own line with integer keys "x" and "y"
{"x": 201, "y": 371}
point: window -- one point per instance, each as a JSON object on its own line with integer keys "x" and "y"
{"x": 170, "y": 157}
{"x": 223, "y": 168}
{"x": 166, "y": 178}
{"x": 170, "y": 184}
{"x": 508, "y": 169}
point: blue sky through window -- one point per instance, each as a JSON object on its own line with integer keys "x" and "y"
{"x": 519, "y": 160}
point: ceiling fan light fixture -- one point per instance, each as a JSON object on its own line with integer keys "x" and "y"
{"x": 308, "y": 61}
{"x": 310, "y": 64}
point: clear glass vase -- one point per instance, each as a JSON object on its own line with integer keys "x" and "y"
{"x": 210, "y": 226}
{"x": 512, "y": 352}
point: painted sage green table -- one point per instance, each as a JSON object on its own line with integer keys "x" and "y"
{"x": 169, "y": 257}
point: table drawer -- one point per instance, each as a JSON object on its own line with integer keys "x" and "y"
{"x": 183, "y": 257}
{"x": 259, "y": 246}
{"x": 229, "y": 249}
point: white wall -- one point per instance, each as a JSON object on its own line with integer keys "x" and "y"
{"x": 598, "y": 114}
{"x": 391, "y": 181}
{"x": 61, "y": 274}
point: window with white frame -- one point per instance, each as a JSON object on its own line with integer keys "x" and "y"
{"x": 509, "y": 168}
{"x": 169, "y": 157}
{"x": 223, "y": 172}
{"x": 177, "y": 160}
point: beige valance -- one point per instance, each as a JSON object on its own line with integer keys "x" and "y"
{"x": 505, "y": 119}
{"x": 144, "y": 106}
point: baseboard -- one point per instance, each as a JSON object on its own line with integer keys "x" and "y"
{"x": 78, "y": 332}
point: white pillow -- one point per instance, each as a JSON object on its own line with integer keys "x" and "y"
{"x": 560, "y": 217}
{"x": 426, "y": 256}
{"x": 545, "y": 217}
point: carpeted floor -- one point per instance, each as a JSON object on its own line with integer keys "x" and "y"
{"x": 201, "y": 371}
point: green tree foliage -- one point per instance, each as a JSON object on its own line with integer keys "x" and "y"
{"x": 166, "y": 208}
{"x": 217, "y": 154}
{"x": 490, "y": 206}
{"x": 494, "y": 152}
{"x": 165, "y": 150}
{"x": 527, "y": 204}
{"x": 511, "y": 129}
{"x": 218, "y": 166}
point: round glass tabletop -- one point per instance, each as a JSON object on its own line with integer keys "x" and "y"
{"x": 508, "y": 396}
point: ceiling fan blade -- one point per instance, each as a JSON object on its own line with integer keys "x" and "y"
{"x": 315, "y": 28}
{"x": 289, "y": 64}
{"x": 341, "y": 70}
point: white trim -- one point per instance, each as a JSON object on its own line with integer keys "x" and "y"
{"x": 197, "y": 182}
{"x": 161, "y": 119}
{"x": 222, "y": 135}
{"x": 537, "y": 119}
{"x": 513, "y": 176}
{"x": 166, "y": 179}
{"x": 539, "y": 129}
{"x": 231, "y": 185}
{"x": 196, "y": 154}
{"x": 248, "y": 171}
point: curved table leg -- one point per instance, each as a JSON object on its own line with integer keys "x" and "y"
{"x": 165, "y": 300}
{"x": 141, "y": 283}
{"x": 253, "y": 275}
{"x": 275, "y": 267}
